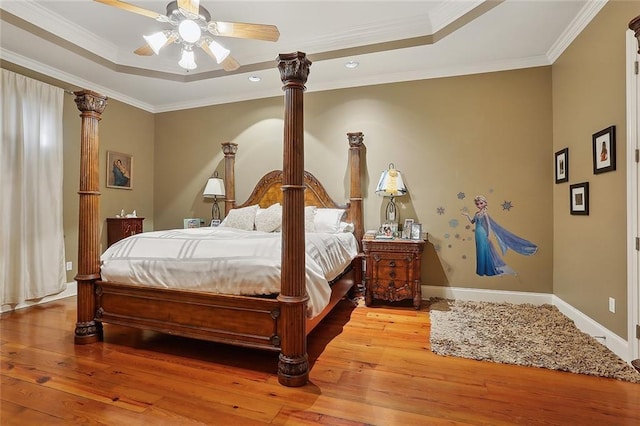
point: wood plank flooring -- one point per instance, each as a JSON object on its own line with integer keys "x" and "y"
{"x": 370, "y": 366}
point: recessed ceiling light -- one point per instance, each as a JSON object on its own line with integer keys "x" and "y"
{"x": 254, "y": 79}
{"x": 352, "y": 64}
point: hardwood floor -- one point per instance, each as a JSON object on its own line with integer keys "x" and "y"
{"x": 369, "y": 366}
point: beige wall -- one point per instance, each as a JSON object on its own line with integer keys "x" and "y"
{"x": 482, "y": 134}
{"x": 589, "y": 95}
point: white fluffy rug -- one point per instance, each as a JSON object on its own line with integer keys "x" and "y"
{"x": 538, "y": 336}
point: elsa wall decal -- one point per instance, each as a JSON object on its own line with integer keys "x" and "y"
{"x": 488, "y": 260}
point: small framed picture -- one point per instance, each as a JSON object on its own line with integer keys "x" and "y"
{"x": 604, "y": 150}
{"x": 562, "y": 165}
{"x": 191, "y": 223}
{"x": 406, "y": 229}
{"x": 579, "y": 194}
{"x": 215, "y": 222}
{"x": 416, "y": 231}
{"x": 119, "y": 170}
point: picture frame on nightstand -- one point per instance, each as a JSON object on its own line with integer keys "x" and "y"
{"x": 406, "y": 229}
{"x": 416, "y": 231}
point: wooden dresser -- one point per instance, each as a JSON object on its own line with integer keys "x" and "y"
{"x": 392, "y": 270}
{"x": 122, "y": 227}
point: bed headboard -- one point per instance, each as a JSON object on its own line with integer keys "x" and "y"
{"x": 268, "y": 190}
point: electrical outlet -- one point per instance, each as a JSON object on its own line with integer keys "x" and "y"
{"x": 612, "y": 305}
{"x": 69, "y": 266}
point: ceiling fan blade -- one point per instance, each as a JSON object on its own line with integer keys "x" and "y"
{"x": 230, "y": 64}
{"x": 131, "y": 8}
{"x": 190, "y": 6}
{"x": 145, "y": 50}
{"x": 244, "y": 30}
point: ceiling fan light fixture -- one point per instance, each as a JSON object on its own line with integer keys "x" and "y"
{"x": 156, "y": 41}
{"x": 188, "y": 61}
{"x": 220, "y": 52}
{"x": 189, "y": 31}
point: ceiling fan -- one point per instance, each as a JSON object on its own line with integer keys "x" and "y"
{"x": 192, "y": 27}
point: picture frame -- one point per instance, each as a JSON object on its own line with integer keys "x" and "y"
{"x": 406, "y": 229}
{"x": 604, "y": 150}
{"x": 388, "y": 231}
{"x": 579, "y": 198}
{"x": 562, "y": 165}
{"x": 191, "y": 223}
{"x": 119, "y": 170}
{"x": 215, "y": 222}
{"x": 416, "y": 231}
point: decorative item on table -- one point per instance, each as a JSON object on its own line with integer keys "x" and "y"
{"x": 391, "y": 185}
{"x": 406, "y": 229}
{"x": 388, "y": 231}
{"x": 370, "y": 234}
{"x": 416, "y": 231}
{"x": 127, "y": 215}
{"x": 191, "y": 223}
{"x": 214, "y": 189}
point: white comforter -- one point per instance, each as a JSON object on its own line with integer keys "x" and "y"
{"x": 225, "y": 261}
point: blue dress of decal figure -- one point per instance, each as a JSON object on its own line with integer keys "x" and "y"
{"x": 488, "y": 260}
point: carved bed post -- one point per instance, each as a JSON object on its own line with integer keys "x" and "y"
{"x": 91, "y": 106}
{"x": 229, "y": 149}
{"x": 293, "y": 365}
{"x": 355, "y": 196}
{"x": 634, "y": 25}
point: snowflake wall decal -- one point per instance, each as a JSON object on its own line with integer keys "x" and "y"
{"x": 507, "y": 205}
{"x": 440, "y": 210}
{"x": 461, "y": 196}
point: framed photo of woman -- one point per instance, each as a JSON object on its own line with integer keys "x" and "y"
{"x": 119, "y": 170}
{"x": 604, "y": 150}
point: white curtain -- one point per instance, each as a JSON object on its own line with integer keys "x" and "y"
{"x": 31, "y": 228}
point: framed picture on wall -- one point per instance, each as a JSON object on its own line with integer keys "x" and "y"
{"x": 604, "y": 150}
{"x": 562, "y": 165}
{"x": 579, "y": 194}
{"x": 119, "y": 170}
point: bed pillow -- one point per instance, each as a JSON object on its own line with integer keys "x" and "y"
{"x": 328, "y": 220}
{"x": 269, "y": 219}
{"x": 243, "y": 218}
{"x": 309, "y": 217}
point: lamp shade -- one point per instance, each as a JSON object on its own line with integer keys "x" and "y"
{"x": 214, "y": 188}
{"x": 390, "y": 183}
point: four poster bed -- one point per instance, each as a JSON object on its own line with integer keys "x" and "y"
{"x": 279, "y": 323}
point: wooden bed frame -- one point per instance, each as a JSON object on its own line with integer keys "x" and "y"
{"x": 273, "y": 324}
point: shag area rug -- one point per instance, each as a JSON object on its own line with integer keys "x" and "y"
{"x": 522, "y": 334}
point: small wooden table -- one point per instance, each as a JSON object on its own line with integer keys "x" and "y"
{"x": 392, "y": 270}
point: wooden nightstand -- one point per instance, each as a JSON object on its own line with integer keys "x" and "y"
{"x": 392, "y": 271}
{"x": 122, "y": 227}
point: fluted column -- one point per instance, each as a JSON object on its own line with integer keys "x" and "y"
{"x": 91, "y": 106}
{"x": 229, "y": 149}
{"x": 293, "y": 366}
{"x": 355, "y": 195}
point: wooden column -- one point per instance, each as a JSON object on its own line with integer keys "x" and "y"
{"x": 91, "y": 106}
{"x": 355, "y": 195}
{"x": 229, "y": 149}
{"x": 293, "y": 365}
{"x": 634, "y": 25}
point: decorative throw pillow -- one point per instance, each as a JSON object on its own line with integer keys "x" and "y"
{"x": 309, "y": 217}
{"x": 243, "y": 218}
{"x": 328, "y": 220}
{"x": 269, "y": 219}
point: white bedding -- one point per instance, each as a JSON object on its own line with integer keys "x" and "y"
{"x": 226, "y": 261}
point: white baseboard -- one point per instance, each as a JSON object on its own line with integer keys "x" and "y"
{"x": 71, "y": 290}
{"x": 615, "y": 343}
